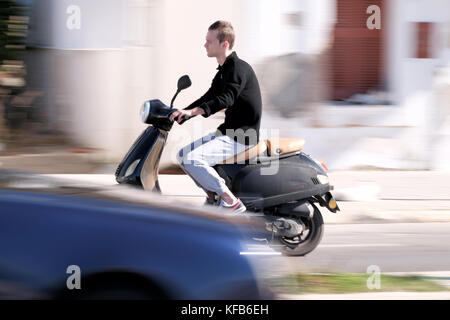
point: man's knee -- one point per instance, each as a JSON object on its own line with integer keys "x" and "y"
{"x": 186, "y": 157}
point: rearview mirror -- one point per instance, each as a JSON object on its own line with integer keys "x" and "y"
{"x": 184, "y": 82}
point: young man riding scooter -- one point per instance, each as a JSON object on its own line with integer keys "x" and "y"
{"x": 236, "y": 89}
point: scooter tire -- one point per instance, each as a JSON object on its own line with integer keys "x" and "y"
{"x": 289, "y": 247}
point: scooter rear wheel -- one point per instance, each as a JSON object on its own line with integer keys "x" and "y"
{"x": 307, "y": 241}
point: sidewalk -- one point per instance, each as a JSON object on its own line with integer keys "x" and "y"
{"x": 391, "y": 196}
{"x": 55, "y": 160}
{"x": 363, "y": 196}
{"x": 349, "y": 137}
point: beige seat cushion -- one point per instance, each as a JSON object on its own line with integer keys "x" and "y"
{"x": 275, "y": 147}
{"x": 250, "y": 153}
{"x": 281, "y": 146}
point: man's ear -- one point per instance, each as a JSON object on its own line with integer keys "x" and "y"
{"x": 225, "y": 44}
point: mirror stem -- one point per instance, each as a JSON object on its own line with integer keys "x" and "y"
{"x": 173, "y": 99}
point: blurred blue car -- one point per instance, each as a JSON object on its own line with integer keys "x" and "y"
{"x": 115, "y": 242}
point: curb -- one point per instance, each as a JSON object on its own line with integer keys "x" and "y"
{"x": 182, "y": 188}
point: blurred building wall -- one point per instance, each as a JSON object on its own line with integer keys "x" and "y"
{"x": 98, "y": 73}
{"x": 126, "y": 51}
{"x": 95, "y": 76}
{"x": 407, "y": 73}
{"x": 417, "y": 67}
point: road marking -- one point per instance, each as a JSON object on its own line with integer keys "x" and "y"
{"x": 254, "y": 249}
{"x": 360, "y": 245}
{"x": 260, "y": 253}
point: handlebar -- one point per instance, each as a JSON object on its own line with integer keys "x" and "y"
{"x": 185, "y": 118}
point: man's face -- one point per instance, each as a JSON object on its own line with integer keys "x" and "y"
{"x": 212, "y": 45}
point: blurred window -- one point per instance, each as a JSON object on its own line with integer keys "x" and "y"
{"x": 423, "y": 50}
{"x": 357, "y": 54}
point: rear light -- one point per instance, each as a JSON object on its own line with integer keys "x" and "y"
{"x": 323, "y": 165}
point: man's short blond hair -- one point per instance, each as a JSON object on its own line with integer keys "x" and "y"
{"x": 226, "y": 32}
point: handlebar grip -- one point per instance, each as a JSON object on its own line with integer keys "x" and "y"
{"x": 185, "y": 118}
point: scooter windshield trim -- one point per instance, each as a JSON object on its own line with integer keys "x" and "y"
{"x": 145, "y": 111}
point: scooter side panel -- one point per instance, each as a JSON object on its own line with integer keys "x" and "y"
{"x": 149, "y": 172}
{"x": 288, "y": 179}
{"x": 139, "y": 151}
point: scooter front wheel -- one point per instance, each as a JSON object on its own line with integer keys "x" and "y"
{"x": 307, "y": 241}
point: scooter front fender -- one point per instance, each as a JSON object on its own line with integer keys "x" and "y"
{"x": 140, "y": 165}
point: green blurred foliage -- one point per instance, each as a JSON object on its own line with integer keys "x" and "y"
{"x": 336, "y": 283}
{"x": 13, "y": 29}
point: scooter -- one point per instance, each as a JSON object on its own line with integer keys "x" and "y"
{"x": 287, "y": 199}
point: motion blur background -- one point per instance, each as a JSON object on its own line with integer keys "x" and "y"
{"x": 74, "y": 73}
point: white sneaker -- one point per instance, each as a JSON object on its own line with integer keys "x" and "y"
{"x": 235, "y": 208}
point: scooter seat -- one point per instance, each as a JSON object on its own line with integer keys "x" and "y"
{"x": 250, "y": 153}
{"x": 269, "y": 147}
{"x": 276, "y": 147}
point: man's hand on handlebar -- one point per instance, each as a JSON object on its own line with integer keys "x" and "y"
{"x": 181, "y": 115}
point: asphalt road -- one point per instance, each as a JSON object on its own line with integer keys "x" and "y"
{"x": 393, "y": 247}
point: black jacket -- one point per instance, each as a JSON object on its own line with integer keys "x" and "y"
{"x": 236, "y": 89}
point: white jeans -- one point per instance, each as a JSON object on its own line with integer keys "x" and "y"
{"x": 198, "y": 158}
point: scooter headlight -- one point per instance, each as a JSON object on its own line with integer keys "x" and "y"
{"x": 145, "y": 111}
{"x": 323, "y": 179}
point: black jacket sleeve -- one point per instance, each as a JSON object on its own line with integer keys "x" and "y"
{"x": 207, "y": 96}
